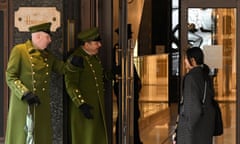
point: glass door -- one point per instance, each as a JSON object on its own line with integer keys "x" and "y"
{"x": 214, "y": 30}
{"x": 212, "y": 25}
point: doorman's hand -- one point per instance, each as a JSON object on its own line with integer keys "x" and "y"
{"x": 85, "y": 109}
{"x": 31, "y": 98}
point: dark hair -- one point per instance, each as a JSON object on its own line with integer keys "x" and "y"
{"x": 197, "y": 54}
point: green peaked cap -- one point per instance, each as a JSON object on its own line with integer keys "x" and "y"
{"x": 91, "y": 34}
{"x": 45, "y": 27}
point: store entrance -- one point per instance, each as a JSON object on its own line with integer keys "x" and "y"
{"x": 214, "y": 29}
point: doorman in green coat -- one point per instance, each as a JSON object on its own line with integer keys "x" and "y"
{"x": 28, "y": 77}
{"x": 84, "y": 84}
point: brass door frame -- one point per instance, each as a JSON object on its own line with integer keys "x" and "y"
{"x": 184, "y": 5}
{"x": 4, "y": 6}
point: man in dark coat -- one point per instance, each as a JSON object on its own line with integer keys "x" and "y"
{"x": 137, "y": 88}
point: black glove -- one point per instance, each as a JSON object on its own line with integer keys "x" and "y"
{"x": 31, "y": 98}
{"x": 77, "y": 61}
{"x": 85, "y": 109}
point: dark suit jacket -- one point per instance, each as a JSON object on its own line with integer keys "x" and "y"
{"x": 196, "y": 124}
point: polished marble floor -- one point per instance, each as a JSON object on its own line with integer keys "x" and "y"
{"x": 158, "y": 118}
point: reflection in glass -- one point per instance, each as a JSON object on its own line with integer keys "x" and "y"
{"x": 200, "y": 27}
{"x": 216, "y": 27}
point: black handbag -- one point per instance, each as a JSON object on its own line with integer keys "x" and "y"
{"x": 218, "y": 119}
{"x": 218, "y": 130}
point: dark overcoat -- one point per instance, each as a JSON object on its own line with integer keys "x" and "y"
{"x": 30, "y": 69}
{"x": 85, "y": 85}
{"x": 196, "y": 123}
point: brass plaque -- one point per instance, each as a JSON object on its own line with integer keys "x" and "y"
{"x": 25, "y": 17}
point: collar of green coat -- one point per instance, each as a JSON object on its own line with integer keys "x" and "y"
{"x": 32, "y": 49}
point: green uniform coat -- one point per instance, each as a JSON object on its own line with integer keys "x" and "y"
{"x": 85, "y": 85}
{"x": 29, "y": 69}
